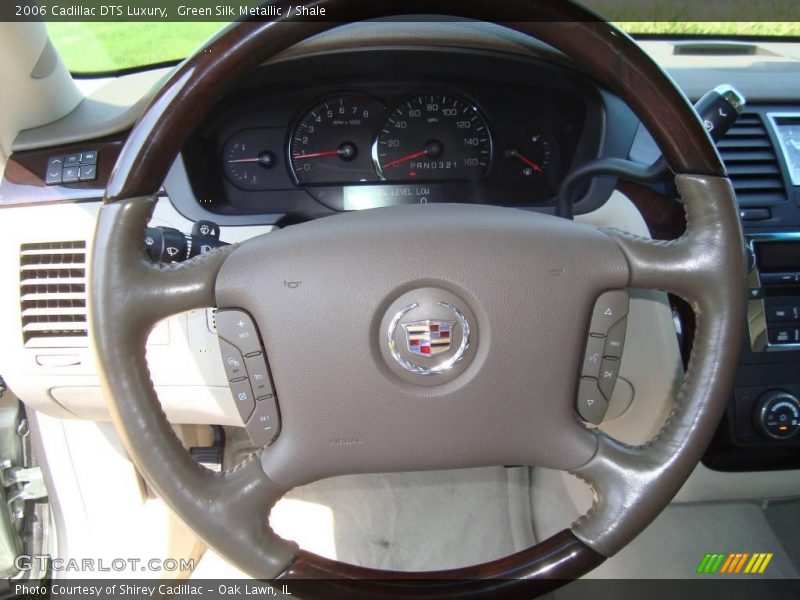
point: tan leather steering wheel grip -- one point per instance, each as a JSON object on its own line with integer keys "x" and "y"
{"x": 632, "y": 484}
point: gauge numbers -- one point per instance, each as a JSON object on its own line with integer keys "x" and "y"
{"x": 434, "y": 137}
{"x": 331, "y": 141}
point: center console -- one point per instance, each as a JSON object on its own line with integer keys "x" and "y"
{"x": 761, "y": 428}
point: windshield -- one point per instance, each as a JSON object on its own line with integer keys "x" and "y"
{"x": 100, "y": 47}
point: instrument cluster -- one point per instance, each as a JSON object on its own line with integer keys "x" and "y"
{"x": 354, "y": 138}
{"x": 393, "y": 127}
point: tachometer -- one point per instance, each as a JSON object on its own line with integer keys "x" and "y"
{"x": 331, "y": 142}
{"x": 433, "y": 137}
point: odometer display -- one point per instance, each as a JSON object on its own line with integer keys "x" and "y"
{"x": 434, "y": 137}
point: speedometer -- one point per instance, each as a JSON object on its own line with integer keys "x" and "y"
{"x": 434, "y": 137}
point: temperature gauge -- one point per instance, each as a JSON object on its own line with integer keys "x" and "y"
{"x": 246, "y": 161}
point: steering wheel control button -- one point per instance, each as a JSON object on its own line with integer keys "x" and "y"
{"x": 264, "y": 425}
{"x": 777, "y": 415}
{"x": 243, "y": 397}
{"x": 615, "y": 340}
{"x": 609, "y": 370}
{"x": 592, "y": 405}
{"x": 259, "y": 377}
{"x": 594, "y": 356}
{"x": 233, "y": 361}
{"x": 428, "y": 336}
{"x": 609, "y": 308}
{"x": 236, "y": 327}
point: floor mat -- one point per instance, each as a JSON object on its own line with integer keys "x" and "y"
{"x": 411, "y": 521}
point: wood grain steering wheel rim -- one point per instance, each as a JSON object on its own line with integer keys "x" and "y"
{"x": 128, "y": 295}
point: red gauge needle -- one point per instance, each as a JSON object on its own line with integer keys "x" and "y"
{"x": 525, "y": 159}
{"x": 402, "y": 159}
{"x": 316, "y": 154}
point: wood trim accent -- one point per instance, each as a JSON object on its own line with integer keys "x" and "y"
{"x": 24, "y": 178}
{"x": 526, "y": 574}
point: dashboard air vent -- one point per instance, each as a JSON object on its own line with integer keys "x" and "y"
{"x": 53, "y": 294}
{"x": 752, "y": 163}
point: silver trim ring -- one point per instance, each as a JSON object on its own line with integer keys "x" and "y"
{"x": 437, "y": 369}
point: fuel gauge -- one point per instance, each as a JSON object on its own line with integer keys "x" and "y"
{"x": 532, "y": 157}
{"x": 246, "y": 161}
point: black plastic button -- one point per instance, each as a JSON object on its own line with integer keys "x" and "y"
{"x": 778, "y": 278}
{"x": 784, "y": 335}
{"x": 88, "y": 172}
{"x": 72, "y": 160}
{"x": 54, "y": 167}
{"x": 781, "y": 313}
{"x": 70, "y": 174}
{"x": 89, "y": 157}
{"x": 755, "y": 293}
{"x": 755, "y": 214}
{"x": 206, "y": 229}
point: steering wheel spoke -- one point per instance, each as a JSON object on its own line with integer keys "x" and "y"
{"x": 512, "y": 276}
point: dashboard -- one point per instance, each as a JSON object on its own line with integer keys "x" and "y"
{"x": 468, "y": 118}
{"x": 370, "y": 129}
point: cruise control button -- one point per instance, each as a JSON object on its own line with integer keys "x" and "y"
{"x": 238, "y": 328}
{"x": 593, "y": 356}
{"x": 609, "y": 370}
{"x": 609, "y": 308}
{"x": 265, "y": 423}
{"x": 259, "y": 376}
{"x": 243, "y": 397}
{"x": 591, "y": 405}
{"x": 233, "y": 361}
{"x": 615, "y": 340}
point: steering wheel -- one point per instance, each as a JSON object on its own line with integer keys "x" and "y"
{"x": 524, "y": 284}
